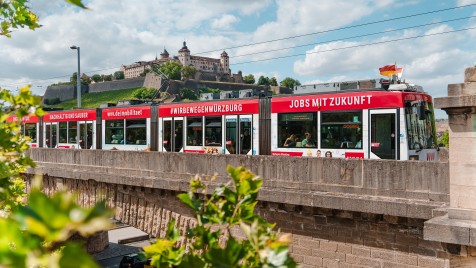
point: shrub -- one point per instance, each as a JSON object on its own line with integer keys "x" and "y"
{"x": 52, "y": 101}
{"x": 186, "y": 93}
{"x": 144, "y": 93}
{"x": 212, "y": 243}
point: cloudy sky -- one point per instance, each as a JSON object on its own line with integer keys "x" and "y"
{"x": 312, "y": 41}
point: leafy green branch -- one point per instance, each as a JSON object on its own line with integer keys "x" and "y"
{"x": 212, "y": 242}
{"x": 37, "y": 233}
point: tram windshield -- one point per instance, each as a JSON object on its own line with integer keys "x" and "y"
{"x": 420, "y": 120}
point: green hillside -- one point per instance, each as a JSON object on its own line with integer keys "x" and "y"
{"x": 93, "y": 100}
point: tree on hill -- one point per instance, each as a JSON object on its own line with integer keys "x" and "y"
{"x": 172, "y": 70}
{"x": 263, "y": 81}
{"x": 96, "y": 78}
{"x": 119, "y": 75}
{"x": 74, "y": 78}
{"x": 289, "y": 82}
{"x": 187, "y": 93}
{"x": 273, "y": 81}
{"x": 145, "y": 72}
{"x": 144, "y": 93}
{"x": 107, "y": 77}
{"x": 249, "y": 79}
{"x": 188, "y": 72}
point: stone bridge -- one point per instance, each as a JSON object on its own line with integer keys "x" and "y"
{"x": 341, "y": 212}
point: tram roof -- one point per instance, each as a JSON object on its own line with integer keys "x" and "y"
{"x": 357, "y": 85}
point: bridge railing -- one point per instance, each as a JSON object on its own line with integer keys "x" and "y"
{"x": 400, "y": 188}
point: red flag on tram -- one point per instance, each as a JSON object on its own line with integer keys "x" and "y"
{"x": 388, "y": 70}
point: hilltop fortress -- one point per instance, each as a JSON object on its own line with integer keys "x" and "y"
{"x": 209, "y": 69}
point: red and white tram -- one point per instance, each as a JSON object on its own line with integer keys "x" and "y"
{"x": 60, "y": 129}
{"x": 394, "y": 123}
{"x": 126, "y": 128}
{"x": 29, "y": 128}
{"x": 223, "y": 126}
{"x": 375, "y": 124}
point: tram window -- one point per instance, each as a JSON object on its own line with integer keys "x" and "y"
{"x": 114, "y": 132}
{"x": 297, "y": 124}
{"x": 194, "y": 131}
{"x": 167, "y": 140}
{"x": 213, "y": 131}
{"x": 420, "y": 125}
{"x": 30, "y": 131}
{"x": 136, "y": 132}
{"x": 72, "y": 132}
{"x": 63, "y": 132}
{"x": 341, "y": 130}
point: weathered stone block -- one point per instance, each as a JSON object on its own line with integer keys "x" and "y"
{"x": 470, "y": 74}
{"x": 316, "y": 261}
{"x": 446, "y": 230}
{"x": 409, "y": 259}
{"x": 455, "y": 89}
{"x": 388, "y": 255}
{"x": 361, "y": 251}
{"x": 366, "y": 262}
{"x": 432, "y": 262}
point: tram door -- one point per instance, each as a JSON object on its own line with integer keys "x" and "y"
{"x": 172, "y": 136}
{"x": 383, "y": 133}
{"x": 86, "y": 135}
{"x": 245, "y": 134}
{"x": 238, "y": 135}
{"x": 50, "y": 135}
{"x": 178, "y": 135}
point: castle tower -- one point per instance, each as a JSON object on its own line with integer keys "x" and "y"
{"x": 184, "y": 55}
{"x": 225, "y": 62}
{"x": 164, "y": 55}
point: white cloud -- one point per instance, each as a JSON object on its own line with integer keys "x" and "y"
{"x": 465, "y": 2}
{"x": 112, "y": 33}
{"x": 224, "y": 22}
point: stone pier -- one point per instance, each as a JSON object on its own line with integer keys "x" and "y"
{"x": 458, "y": 226}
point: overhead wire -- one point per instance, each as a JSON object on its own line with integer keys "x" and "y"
{"x": 340, "y": 28}
{"x": 353, "y": 37}
{"x": 356, "y": 46}
{"x": 314, "y": 33}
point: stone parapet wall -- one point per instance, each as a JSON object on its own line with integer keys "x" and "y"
{"x": 320, "y": 237}
{"x": 398, "y": 188}
{"x": 117, "y": 85}
{"x": 63, "y": 92}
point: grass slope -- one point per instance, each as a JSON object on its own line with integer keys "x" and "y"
{"x": 93, "y": 100}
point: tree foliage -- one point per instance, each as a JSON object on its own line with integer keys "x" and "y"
{"x": 249, "y": 79}
{"x": 107, "y": 77}
{"x": 15, "y": 14}
{"x": 144, "y": 93}
{"x": 145, "y": 72}
{"x": 96, "y": 78}
{"x": 263, "y": 81}
{"x": 188, "y": 72}
{"x": 172, "y": 70}
{"x": 289, "y": 82}
{"x": 74, "y": 78}
{"x": 36, "y": 233}
{"x": 118, "y": 75}
{"x": 444, "y": 139}
{"x": 212, "y": 242}
{"x": 209, "y": 90}
{"x": 188, "y": 94}
{"x": 273, "y": 81}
